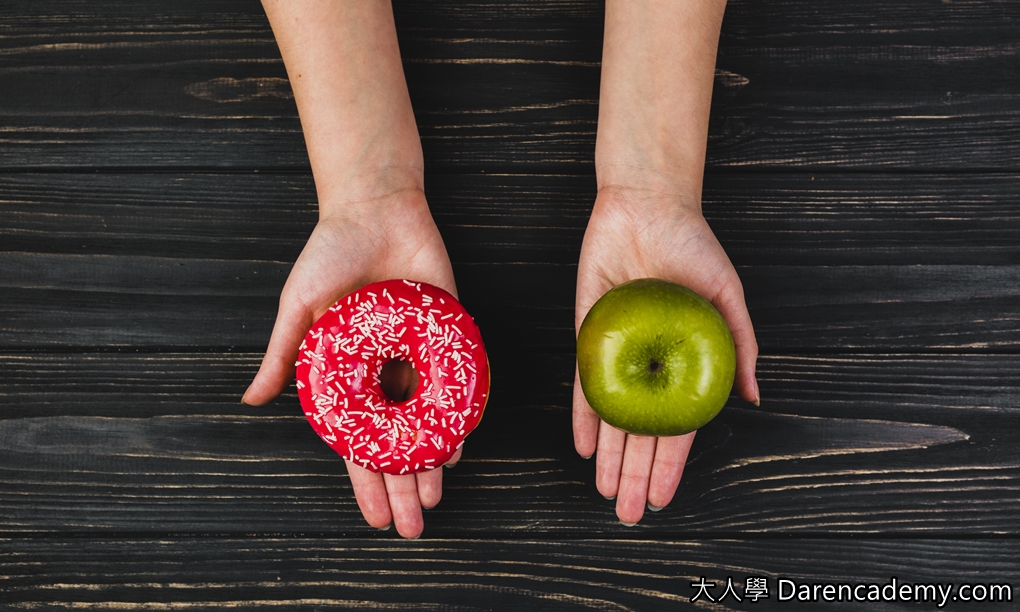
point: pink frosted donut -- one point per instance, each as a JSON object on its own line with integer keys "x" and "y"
{"x": 341, "y": 378}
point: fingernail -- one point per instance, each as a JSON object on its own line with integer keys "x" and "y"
{"x": 244, "y": 396}
{"x": 450, "y": 465}
{"x": 654, "y": 508}
{"x": 386, "y": 528}
{"x": 609, "y": 498}
{"x": 626, "y": 524}
{"x": 415, "y": 537}
{"x": 588, "y": 457}
{"x": 757, "y": 396}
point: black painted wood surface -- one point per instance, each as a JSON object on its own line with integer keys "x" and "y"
{"x": 472, "y": 574}
{"x": 154, "y": 192}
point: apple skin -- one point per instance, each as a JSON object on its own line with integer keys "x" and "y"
{"x": 655, "y": 358}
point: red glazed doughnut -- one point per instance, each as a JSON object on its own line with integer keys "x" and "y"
{"x": 340, "y": 369}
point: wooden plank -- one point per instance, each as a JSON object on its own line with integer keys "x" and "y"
{"x": 261, "y": 573}
{"x": 865, "y": 219}
{"x": 503, "y": 84}
{"x": 176, "y": 215}
{"x": 198, "y": 260}
{"x": 763, "y": 219}
{"x": 57, "y": 301}
{"x": 108, "y": 442}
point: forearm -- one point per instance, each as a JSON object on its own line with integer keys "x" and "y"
{"x": 658, "y": 66}
{"x": 345, "y": 69}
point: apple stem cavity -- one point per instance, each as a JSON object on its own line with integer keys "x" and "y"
{"x": 654, "y": 366}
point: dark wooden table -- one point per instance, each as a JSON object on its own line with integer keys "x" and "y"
{"x": 155, "y": 190}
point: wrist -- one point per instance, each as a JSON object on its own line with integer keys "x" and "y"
{"x": 644, "y": 150}
{"x": 635, "y": 177}
{"x": 353, "y": 185}
{"x": 638, "y": 176}
{"x": 650, "y": 204}
{"x": 394, "y": 194}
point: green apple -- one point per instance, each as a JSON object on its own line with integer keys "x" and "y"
{"x": 655, "y": 358}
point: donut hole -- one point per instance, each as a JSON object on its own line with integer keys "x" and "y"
{"x": 398, "y": 380}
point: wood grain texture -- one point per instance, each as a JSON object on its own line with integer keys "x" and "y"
{"x": 765, "y": 219}
{"x": 199, "y": 259}
{"x": 843, "y": 444}
{"x": 154, "y": 191}
{"x": 107, "y": 301}
{"x": 506, "y": 85}
{"x": 468, "y": 574}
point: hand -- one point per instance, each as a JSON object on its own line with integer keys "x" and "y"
{"x": 641, "y": 233}
{"x": 392, "y": 236}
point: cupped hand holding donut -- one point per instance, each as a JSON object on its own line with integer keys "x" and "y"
{"x": 344, "y": 66}
{"x": 394, "y": 237}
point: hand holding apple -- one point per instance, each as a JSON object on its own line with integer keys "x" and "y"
{"x": 634, "y": 234}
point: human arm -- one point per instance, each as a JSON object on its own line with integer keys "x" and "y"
{"x": 374, "y": 223}
{"x": 658, "y": 67}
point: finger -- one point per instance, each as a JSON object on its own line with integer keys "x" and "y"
{"x": 430, "y": 487}
{"x": 586, "y": 422}
{"x": 730, "y": 304}
{"x": 609, "y": 460}
{"x": 638, "y": 454}
{"x": 404, "y": 504}
{"x": 455, "y": 458}
{"x": 370, "y": 491}
{"x": 667, "y": 469}
{"x": 277, "y": 369}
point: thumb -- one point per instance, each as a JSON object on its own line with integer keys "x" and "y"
{"x": 277, "y": 369}
{"x": 730, "y": 303}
